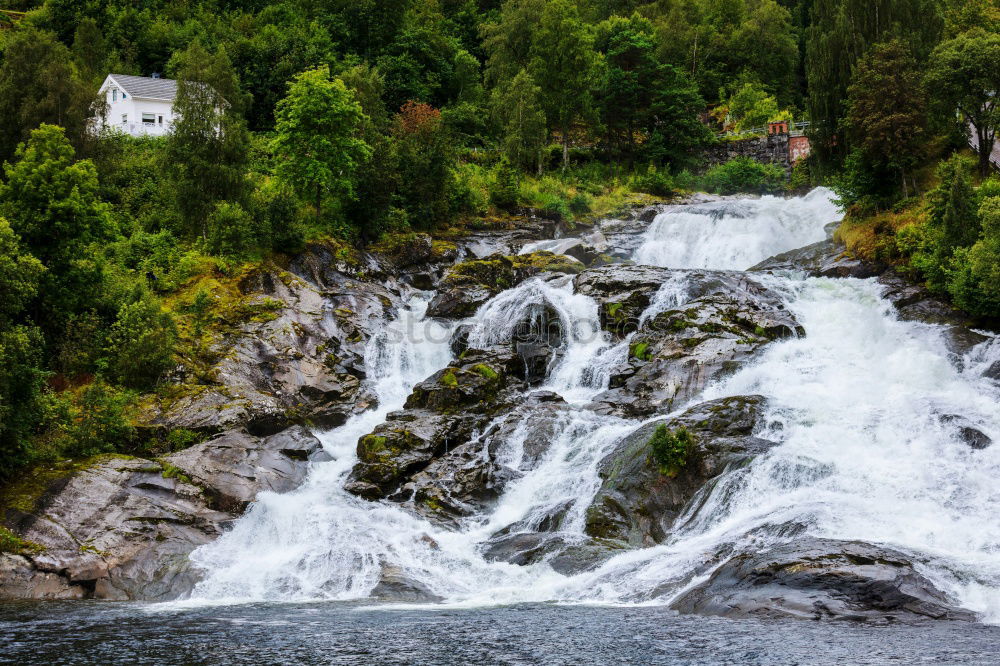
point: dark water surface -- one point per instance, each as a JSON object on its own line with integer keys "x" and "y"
{"x": 108, "y": 633}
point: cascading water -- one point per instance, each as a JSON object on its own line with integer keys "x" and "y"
{"x": 735, "y": 234}
{"x": 860, "y": 405}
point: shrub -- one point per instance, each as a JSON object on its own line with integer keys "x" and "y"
{"x": 505, "y": 192}
{"x": 655, "y": 182}
{"x": 579, "y": 204}
{"x": 141, "y": 343}
{"x": 231, "y": 231}
{"x": 671, "y": 449}
{"x": 96, "y": 419}
{"x": 744, "y": 174}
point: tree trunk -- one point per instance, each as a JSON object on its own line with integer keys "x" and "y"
{"x": 902, "y": 173}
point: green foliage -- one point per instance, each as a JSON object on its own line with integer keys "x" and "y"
{"x": 671, "y": 450}
{"x": 230, "y": 231}
{"x": 39, "y": 83}
{"x": 21, "y": 381}
{"x": 564, "y": 65}
{"x": 96, "y": 419}
{"x": 140, "y": 343}
{"x": 424, "y": 154}
{"x": 316, "y": 142}
{"x": 517, "y": 111}
{"x": 974, "y": 275}
{"x": 207, "y": 149}
{"x": 964, "y": 73}
{"x": 52, "y": 204}
{"x": 886, "y": 109}
{"x": 840, "y": 33}
{"x": 655, "y": 181}
{"x": 744, "y": 174}
{"x": 953, "y": 204}
{"x": 505, "y": 192}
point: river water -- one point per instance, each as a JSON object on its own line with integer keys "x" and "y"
{"x": 857, "y": 405}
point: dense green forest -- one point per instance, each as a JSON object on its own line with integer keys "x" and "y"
{"x": 352, "y": 122}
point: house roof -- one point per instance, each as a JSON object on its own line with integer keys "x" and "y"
{"x": 147, "y": 87}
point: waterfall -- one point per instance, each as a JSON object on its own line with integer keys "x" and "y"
{"x": 737, "y": 233}
{"x": 859, "y": 406}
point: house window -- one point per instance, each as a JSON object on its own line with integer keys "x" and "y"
{"x": 159, "y": 119}
{"x": 149, "y": 119}
{"x": 114, "y": 94}
{"x": 124, "y": 118}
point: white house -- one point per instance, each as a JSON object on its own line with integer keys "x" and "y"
{"x": 138, "y": 105}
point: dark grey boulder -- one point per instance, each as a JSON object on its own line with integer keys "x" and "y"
{"x": 725, "y": 320}
{"x": 638, "y": 504}
{"x": 822, "y": 579}
{"x": 827, "y": 258}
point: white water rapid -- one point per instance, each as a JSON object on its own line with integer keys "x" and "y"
{"x": 856, "y": 404}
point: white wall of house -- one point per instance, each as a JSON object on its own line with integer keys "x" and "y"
{"x": 136, "y": 115}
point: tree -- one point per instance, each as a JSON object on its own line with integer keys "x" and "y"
{"x": 629, "y": 78}
{"x": 317, "y": 144}
{"x": 953, "y": 204}
{"x": 207, "y": 147}
{"x": 518, "y": 113}
{"x": 508, "y": 41}
{"x": 975, "y": 279}
{"x": 51, "y": 202}
{"x": 751, "y": 107}
{"x": 840, "y": 34}
{"x": 140, "y": 343}
{"x": 563, "y": 64}
{"x": 964, "y": 73}
{"x": 39, "y": 83}
{"x": 21, "y": 382}
{"x": 886, "y": 109}
{"x": 424, "y": 154}
{"x": 676, "y": 134}
{"x": 19, "y": 276}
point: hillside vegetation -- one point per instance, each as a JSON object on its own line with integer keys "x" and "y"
{"x": 351, "y": 122}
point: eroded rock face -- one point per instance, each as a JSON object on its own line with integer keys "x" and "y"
{"x": 441, "y": 413}
{"x": 471, "y": 283}
{"x": 234, "y": 466}
{"x": 300, "y": 358}
{"x": 725, "y": 320}
{"x": 471, "y": 477}
{"x": 826, "y": 258}
{"x": 821, "y": 579}
{"x": 122, "y": 528}
{"x": 638, "y": 504}
{"x": 622, "y": 293}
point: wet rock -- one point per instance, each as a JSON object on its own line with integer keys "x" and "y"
{"x": 637, "y": 503}
{"x": 116, "y": 529}
{"x": 967, "y": 432}
{"x": 724, "y": 321}
{"x": 441, "y": 413}
{"x": 396, "y": 586}
{"x": 826, "y": 258}
{"x": 822, "y": 579}
{"x": 122, "y": 528}
{"x": 471, "y": 283}
{"x": 993, "y": 372}
{"x": 296, "y": 355}
{"x": 235, "y": 466}
{"x": 622, "y": 293}
{"x": 470, "y": 478}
